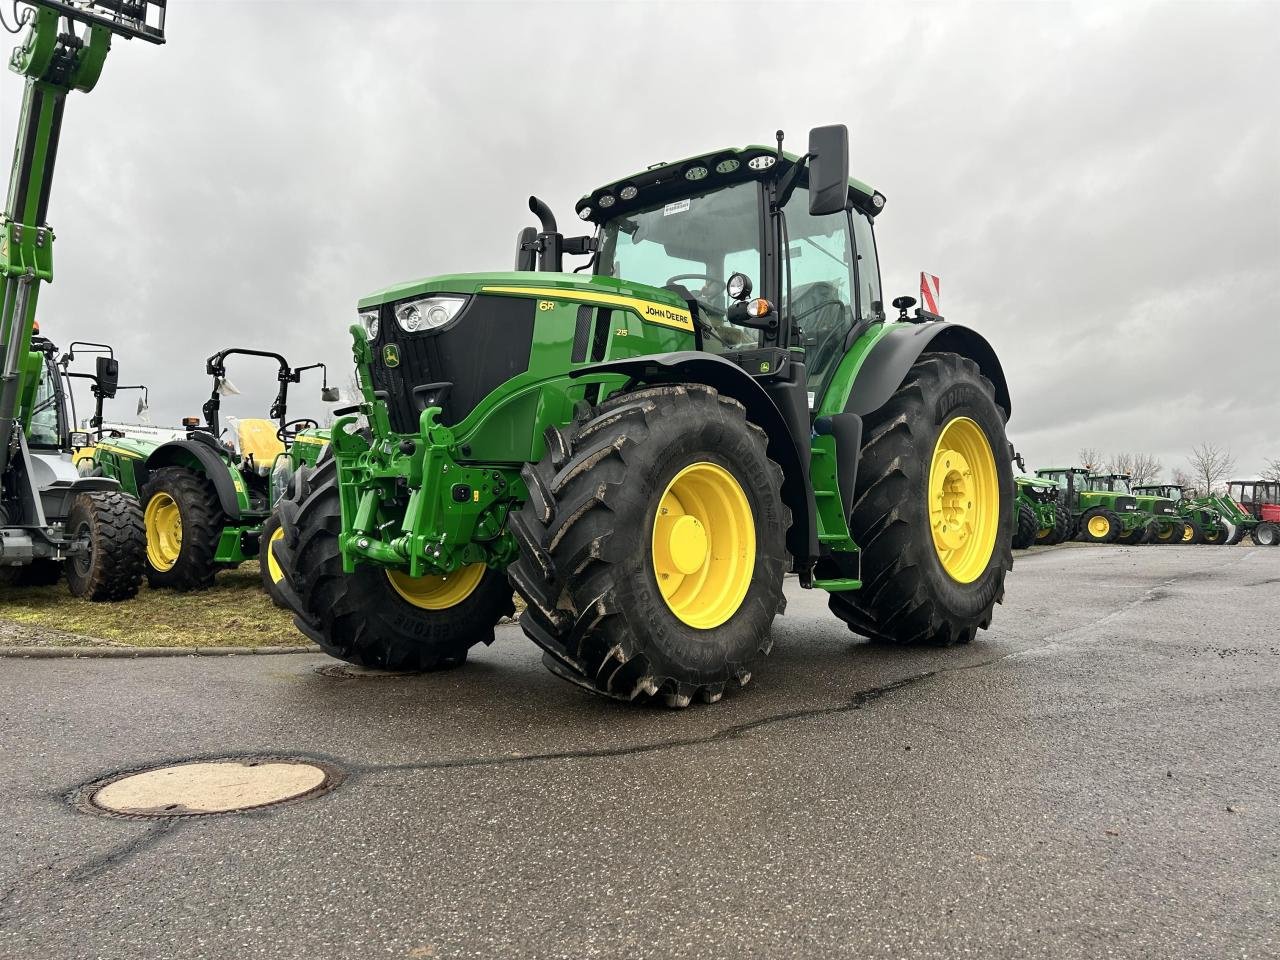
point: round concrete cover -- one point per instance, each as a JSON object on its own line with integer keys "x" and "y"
{"x": 217, "y": 786}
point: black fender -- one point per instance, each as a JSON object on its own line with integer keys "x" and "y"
{"x": 786, "y": 424}
{"x": 180, "y": 453}
{"x": 889, "y": 360}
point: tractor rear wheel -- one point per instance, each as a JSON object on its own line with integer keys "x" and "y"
{"x": 1266, "y": 535}
{"x": 1027, "y": 529}
{"x": 111, "y": 521}
{"x": 653, "y": 546}
{"x": 375, "y": 617}
{"x": 267, "y": 562}
{"x": 931, "y": 509}
{"x": 183, "y": 521}
{"x": 1099, "y": 525}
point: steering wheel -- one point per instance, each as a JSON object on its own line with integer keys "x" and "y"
{"x": 716, "y": 290}
{"x": 290, "y": 429}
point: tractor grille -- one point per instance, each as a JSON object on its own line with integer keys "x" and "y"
{"x": 1126, "y": 503}
{"x": 1165, "y": 508}
{"x": 487, "y": 344}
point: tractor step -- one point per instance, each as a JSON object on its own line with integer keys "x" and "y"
{"x": 838, "y": 585}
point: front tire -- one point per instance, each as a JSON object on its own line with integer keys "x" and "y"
{"x": 1099, "y": 525}
{"x": 1028, "y": 528}
{"x": 375, "y": 617}
{"x": 112, "y": 570}
{"x": 269, "y": 566}
{"x": 1266, "y": 535}
{"x": 183, "y": 521}
{"x": 932, "y": 509}
{"x": 653, "y": 546}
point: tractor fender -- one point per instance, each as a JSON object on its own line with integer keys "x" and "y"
{"x": 180, "y": 453}
{"x": 785, "y": 436}
{"x": 892, "y": 356}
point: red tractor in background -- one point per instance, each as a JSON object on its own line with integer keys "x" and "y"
{"x": 1261, "y": 500}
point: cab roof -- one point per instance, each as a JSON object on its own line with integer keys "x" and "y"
{"x": 664, "y": 182}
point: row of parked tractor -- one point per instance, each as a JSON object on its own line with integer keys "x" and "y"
{"x": 1058, "y": 504}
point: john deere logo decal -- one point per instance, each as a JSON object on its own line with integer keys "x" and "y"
{"x": 391, "y": 355}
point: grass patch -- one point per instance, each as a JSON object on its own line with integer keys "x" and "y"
{"x": 235, "y": 612}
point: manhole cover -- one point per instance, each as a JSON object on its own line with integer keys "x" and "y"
{"x": 203, "y": 787}
{"x": 349, "y": 671}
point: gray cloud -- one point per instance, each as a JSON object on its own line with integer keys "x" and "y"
{"x": 1098, "y": 187}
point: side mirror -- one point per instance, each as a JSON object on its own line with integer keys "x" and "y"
{"x": 108, "y": 376}
{"x": 330, "y": 394}
{"x": 828, "y": 170}
{"x": 526, "y": 255}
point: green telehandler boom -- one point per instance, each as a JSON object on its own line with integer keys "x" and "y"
{"x": 48, "y": 513}
{"x": 645, "y": 448}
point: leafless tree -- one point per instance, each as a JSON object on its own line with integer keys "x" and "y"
{"x": 1272, "y": 470}
{"x": 1210, "y": 465}
{"x": 1142, "y": 468}
{"x": 1183, "y": 479}
{"x": 1090, "y": 458}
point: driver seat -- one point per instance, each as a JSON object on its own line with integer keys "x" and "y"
{"x": 257, "y": 438}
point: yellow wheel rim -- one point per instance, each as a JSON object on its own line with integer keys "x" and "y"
{"x": 1044, "y": 532}
{"x": 964, "y": 500}
{"x": 437, "y": 593}
{"x": 1187, "y": 534}
{"x": 1099, "y": 526}
{"x": 163, "y": 521}
{"x": 704, "y": 545}
{"x": 273, "y": 567}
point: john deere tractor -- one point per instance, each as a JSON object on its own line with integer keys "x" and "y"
{"x": 1041, "y": 519}
{"x": 1159, "y": 519}
{"x": 52, "y": 520}
{"x": 1099, "y": 515}
{"x": 646, "y": 449}
{"x": 208, "y": 498}
{"x": 1203, "y": 518}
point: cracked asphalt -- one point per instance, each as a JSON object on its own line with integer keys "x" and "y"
{"x": 1098, "y": 775}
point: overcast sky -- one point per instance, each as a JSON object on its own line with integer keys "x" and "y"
{"x": 1097, "y": 186}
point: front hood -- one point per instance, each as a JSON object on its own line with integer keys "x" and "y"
{"x": 472, "y": 283}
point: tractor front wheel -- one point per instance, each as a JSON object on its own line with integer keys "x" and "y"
{"x": 271, "y": 534}
{"x": 183, "y": 521}
{"x": 1216, "y": 536}
{"x": 1099, "y": 525}
{"x": 377, "y": 618}
{"x": 1170, "y": 532}
{"x": 1028, "y": 528}
{"x": 1266, "y": 535}
{"x": 1192, "y": 532}
{"x": 653, "y": 546}
{"x": 111, "y": 523}
{"x": 932, "y": 509}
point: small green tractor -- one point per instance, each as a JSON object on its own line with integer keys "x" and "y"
{"x": 1042, "y": 516}
{"x": 645, "y": 449}
{"x": 1160, "y": 520}
{"x": 52, "y": 520}
{"x": 1204, "y": 518}
{"x": 1099, "y": 515}
{"x": 1257, "y": 510}
{"x": 208, "y": 499}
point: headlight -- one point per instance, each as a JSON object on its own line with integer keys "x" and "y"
{"x": 427, "y": 313}
{"x": 369, "y": 320}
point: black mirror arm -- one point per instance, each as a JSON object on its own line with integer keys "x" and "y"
{"x": 790, "y": 180}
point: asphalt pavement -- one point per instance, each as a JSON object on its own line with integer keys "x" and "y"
{"x": 1097, "y": 776}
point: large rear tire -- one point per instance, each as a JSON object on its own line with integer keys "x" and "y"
{"x": 375, "y": 617}
{"x": 932, "y": 509}
{"x": 183, "y": 520}
{"x": 1266, "y": 535}
{"x": 112, "y": 523}
{"x": 653, "y": 546}
{"x": 1028, "y": 528}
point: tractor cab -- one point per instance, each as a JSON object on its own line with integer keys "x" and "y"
{"x": 1168, "y": 491}
{"x": 1070, "y": 480}
{"x": 1109, "y": 482}
{"x": 1261, "y": 498}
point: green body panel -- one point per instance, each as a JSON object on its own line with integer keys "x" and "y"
{"x": 1044, "y": 506}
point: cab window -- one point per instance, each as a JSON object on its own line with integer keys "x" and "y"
{"x": 864, "y": 244}
{"x": 44, "y": 430}
{"x": 820, "y": 303}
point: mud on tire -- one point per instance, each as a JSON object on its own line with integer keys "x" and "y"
{"x": 112, "y": 570}
{"x": 907, "y": 596}
{"x": 360, "y": 617}
{"x": 586, "y": 566}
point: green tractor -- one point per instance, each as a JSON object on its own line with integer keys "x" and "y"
{"x": 1042, "y": 518}
{"x": 1158, "y": 519}
{"x": 1203, "y": 518}
{"x": 1098, "y": 515}
{"x": 52, "y": 520}
{"x": 646, "y": 449}
{"x": 208, "y": 501}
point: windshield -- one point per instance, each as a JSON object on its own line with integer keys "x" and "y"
{"x": 45, "y": 430}
{"x": 692, "y": 246}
